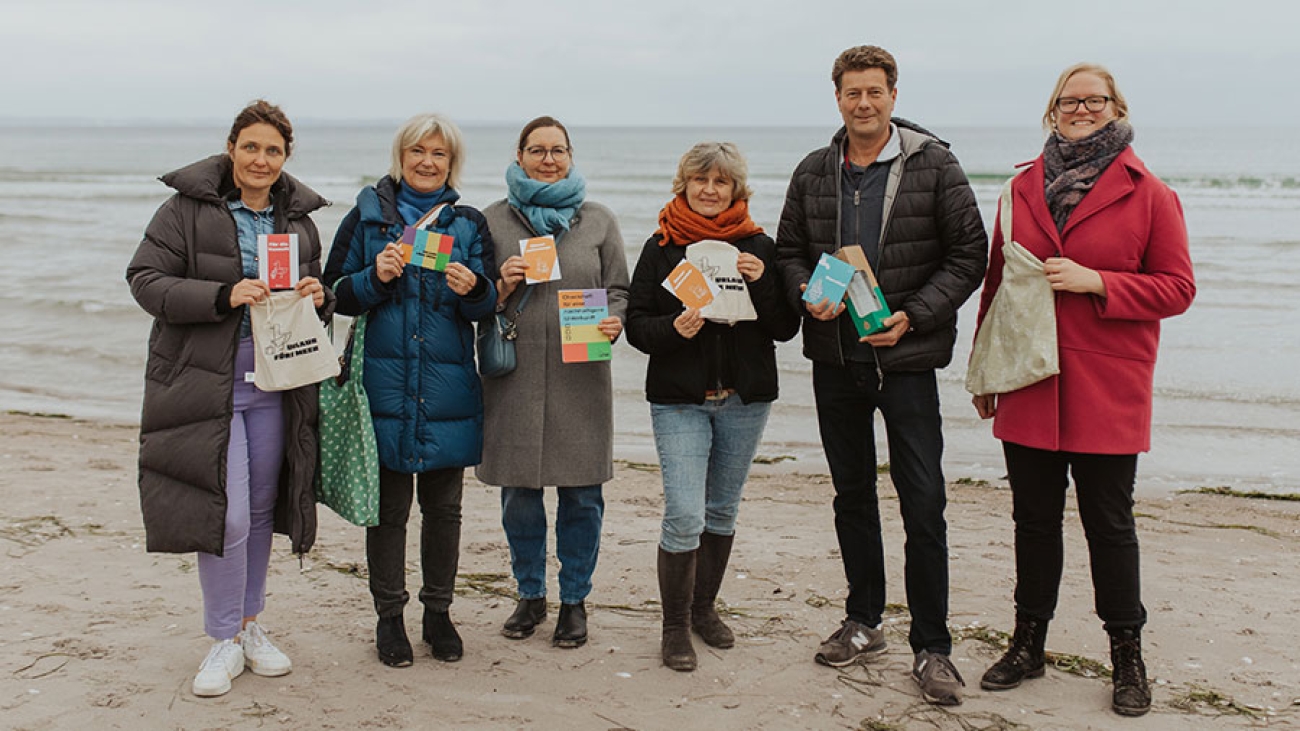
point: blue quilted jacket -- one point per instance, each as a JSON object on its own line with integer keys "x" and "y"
{"x": 420, "y": 377}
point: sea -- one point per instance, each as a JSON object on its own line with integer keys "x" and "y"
{"x": 75, "y": 198}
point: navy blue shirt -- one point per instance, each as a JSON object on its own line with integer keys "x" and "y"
{"x": 862, "y": 213}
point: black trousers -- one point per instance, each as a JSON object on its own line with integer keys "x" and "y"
{"x": 440, "y": 493}
{"x": 847, "y": 399}
{"x": 1104, "y": 486}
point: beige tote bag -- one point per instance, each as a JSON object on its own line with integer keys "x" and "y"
{"x": 291, "y": 346}
{"x": 1016, "y": 343}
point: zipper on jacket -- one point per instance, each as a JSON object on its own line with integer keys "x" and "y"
{"x": 886, "y": 217}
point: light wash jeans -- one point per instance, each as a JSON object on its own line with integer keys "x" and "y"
{"x": 578, "y": 518}
{"x": 705, "y": 451}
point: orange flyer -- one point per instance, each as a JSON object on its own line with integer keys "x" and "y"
{"x": 689, "y": 285}
{"x": 541, "y": 259}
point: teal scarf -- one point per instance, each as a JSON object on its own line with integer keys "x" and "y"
{"x": 412, "y": 206}
{"x": 549, "y": 207}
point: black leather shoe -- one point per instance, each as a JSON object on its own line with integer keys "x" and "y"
{"x": 571, "y": 627}
{"x": 390, "y": 640}
{"x": 442, "y": 636}
{"x": 528, "y": 614}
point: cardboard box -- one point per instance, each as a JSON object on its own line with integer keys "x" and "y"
{"x": 866, "y": 303}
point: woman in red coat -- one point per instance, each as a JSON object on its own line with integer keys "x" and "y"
{"x": 1114, "y": 246}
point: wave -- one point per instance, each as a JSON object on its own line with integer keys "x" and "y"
{"x": 60, "y": 307}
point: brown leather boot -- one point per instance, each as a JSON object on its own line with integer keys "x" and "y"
{"x": 710, "y": 567}
{"x": 676, "y": 582}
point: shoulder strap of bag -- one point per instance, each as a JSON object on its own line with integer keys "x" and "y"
{"x": 432, "y": 215}
{"x": 1004, "y": 210}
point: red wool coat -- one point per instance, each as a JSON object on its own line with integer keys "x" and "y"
{"x": 1130, "y": 228}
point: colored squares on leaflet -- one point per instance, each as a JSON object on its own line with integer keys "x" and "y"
{"x": 426, "y": 249}
{"x": 581, "y": 311}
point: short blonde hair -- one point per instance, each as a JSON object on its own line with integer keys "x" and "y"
{"x": 706, "y": 156}
{"x": 1101, "y": 72}
{"x": 417, "y": 128}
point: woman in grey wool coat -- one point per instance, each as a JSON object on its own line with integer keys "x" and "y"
{"x": 550, "y": 423}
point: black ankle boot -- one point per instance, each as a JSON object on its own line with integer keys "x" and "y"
{"x": 442, "y": 636}
{"x": 1130, "y": 694}
{"x": 1024, "y": 658}
{"x": 390, "y": 640}
{"x": 527, "y": 615}
{"x": 571, "y": 626}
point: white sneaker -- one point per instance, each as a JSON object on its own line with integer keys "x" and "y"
{"x": 262, "y": 657}
{"x": 225, "y": 661}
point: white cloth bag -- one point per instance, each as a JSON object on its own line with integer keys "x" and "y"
{"x": 291, "y": 346}
{"x": 1016, "y": 344}
{"x": 717, "y": 261}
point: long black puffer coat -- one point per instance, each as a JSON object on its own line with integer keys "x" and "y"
{"x": 189, "y": 253}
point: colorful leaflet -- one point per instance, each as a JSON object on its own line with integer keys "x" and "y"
{"x": 829, "y": 281}
{"x": 688, "y": 284}
{"x": 425, "y": 248}
{"x": 541, "y": 258}
{"x": 581, "y": 310}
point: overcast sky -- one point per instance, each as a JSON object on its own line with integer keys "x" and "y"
{"x": 656, "y": 62}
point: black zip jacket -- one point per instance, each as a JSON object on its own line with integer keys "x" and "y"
{"x": 680, "y": 369}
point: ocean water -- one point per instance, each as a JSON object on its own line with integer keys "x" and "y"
{"x": 74, "y": 201}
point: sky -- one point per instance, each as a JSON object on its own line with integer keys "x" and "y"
{"x": 665, "y": 62}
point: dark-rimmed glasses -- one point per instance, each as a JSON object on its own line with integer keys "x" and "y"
{"x": 1070, "y": 105}
{"x": 537, "y": 154}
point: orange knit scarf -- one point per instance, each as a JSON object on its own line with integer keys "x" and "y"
{"x": 682, "y": 226}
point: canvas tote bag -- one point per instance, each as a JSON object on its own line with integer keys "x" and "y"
{"x": 717, "y": 261}
{"x": 292, "y": 348}
{"x": 348, "y": 479}
{"x": 1016, "y": 344}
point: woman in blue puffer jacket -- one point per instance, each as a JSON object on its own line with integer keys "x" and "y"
{"x": 420, "y": 377}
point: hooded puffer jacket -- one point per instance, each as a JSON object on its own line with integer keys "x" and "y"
{"x": 188, "y": 258}
{"x": 933, "y": 246}
{"x": 420, "y": 377}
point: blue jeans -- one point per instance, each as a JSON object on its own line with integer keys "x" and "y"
{"x": 705, "y": 451}
{"x": 578, "y": 519}
{"x": 847, "y": 398}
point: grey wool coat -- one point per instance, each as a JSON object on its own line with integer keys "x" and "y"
{"x": 551, "y": 422}
{"x": 181, "y": 273}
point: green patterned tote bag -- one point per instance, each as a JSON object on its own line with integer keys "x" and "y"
{"x": 348, "y": 478}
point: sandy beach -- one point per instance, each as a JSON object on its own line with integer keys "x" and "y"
{"x": 98, "y": 634}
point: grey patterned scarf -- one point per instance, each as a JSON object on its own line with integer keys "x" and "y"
{"x": 1071, "y": 167}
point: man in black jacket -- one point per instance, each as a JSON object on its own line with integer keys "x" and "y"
{"x": 894, "y": 189}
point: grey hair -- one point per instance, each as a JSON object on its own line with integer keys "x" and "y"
{"x": 417, "y": 128}
{"x": 724, "y": 156}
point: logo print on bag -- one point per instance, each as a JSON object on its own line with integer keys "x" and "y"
{"x": 280, "y": 348}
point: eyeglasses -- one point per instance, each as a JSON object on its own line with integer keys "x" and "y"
{"x": 537, "y": 154}
{"x": 1070, "y": 105}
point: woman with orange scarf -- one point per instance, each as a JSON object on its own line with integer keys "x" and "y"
{"x": 711, "y": 380}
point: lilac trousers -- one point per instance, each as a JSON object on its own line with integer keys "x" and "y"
{"x": 234, "y": 585}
